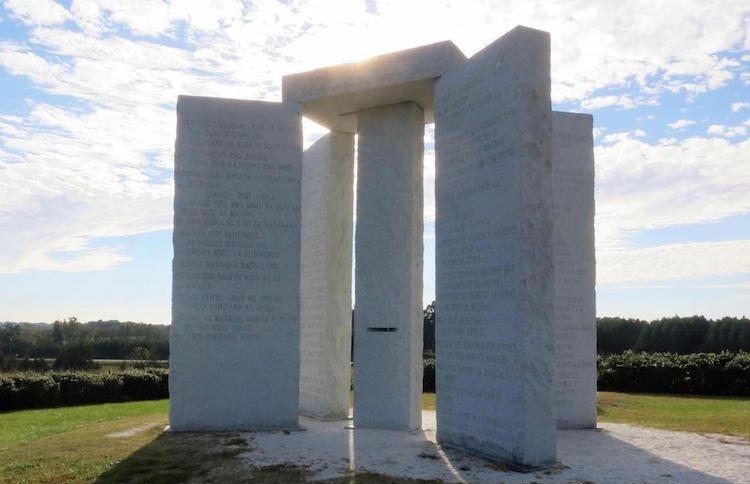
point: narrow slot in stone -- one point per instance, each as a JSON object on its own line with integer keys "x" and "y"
{"x": 382, "y": 329}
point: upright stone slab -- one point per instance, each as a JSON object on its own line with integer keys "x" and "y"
{"x": 234, "y": 342}
{"x": 326, "y": 283}
{"x": 494, "y": 337}
{"x": 574, "y": 265}
{"x": 388, "y": 315}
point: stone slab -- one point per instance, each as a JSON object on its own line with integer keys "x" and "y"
{"x": 326, "y": 276}
{"x": 332, "y": 96}
{"x": 575, "y": 268}
{"x": 388, "y": 272}
{"x": 234, "y": 341}
{"x": 494, "y": 336}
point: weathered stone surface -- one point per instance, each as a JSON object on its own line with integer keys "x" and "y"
{"x": 494, "y": 335}
{"x": 234, "y": 344}
{"x": 332, "y": 96}
{"x": 574, "y": 266}
{"x": 326, "y": 282}
{"x": 388, "y": 316}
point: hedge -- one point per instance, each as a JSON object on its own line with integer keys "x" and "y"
{"x": 700, "y": 373}
{"x": 36, "y": 390}
{"x": 722, "y": 373}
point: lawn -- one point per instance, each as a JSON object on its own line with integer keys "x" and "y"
{"x": 125, "y": 442}
{"x": 71, "y": 444}
{"x": 722, "y": 415}
{"x": 27, "y": 426}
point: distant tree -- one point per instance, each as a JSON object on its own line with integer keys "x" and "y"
{"x": 75, "y": 355}
{"x": 732, "y": 334}
{"x": 615, "y": 335}
{"x": 9, "y": 335}
{"x": 57, "y": 332}
{"x": 429, "y": 330}
{"x": 674, "y": 335}
{"x": 141, "y": 353}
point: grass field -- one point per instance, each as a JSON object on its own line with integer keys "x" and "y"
{"x": 125, "y": 442}
{"x": 722, "y": 415}
{"x": 71, "y": 444}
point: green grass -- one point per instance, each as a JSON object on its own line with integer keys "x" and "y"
{"x": 75, "y": 445}
{"x": 71, "y": 445}
{"x": 722, "y": 415}
{"x": 27, "y": 426}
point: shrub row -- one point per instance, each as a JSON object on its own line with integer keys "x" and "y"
{"x": 722, "y": 373}
{"x": 35, "y": 390}
{"x": 699, "y": 373}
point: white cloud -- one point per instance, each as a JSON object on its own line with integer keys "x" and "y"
{"x": 428, "y": 186}
{"x": 623, "y": 136}
{"x": 681, "y": 124}
{"x": 675, "y": 261}
{"x": 726, "y": 131}
{"x": 102, "y": 167}
{"x": 312, "y": 132}
{"x": 667, "y": 141}
{"x": 641, "y": 186}
{"x": 622, "y": 101}
{"x": 28, "y": 64}
{"x": 594, "y": 45}
{"x": 38, "y": 12}
{"x": 150, "y": 17}
{"x": 739, "y": 106}
{"x": 78, "y": 176}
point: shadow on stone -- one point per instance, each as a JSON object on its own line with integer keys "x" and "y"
{"x": 333, "y": 454}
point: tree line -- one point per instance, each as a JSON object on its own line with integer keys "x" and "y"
{"x": 69, "y": 339}
{"x": 680, "y": 335}
{"x": 73, "y": 343}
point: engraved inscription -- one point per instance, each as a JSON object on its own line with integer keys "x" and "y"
{"x": 231, "y": 209}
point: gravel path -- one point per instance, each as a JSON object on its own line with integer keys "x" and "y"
{"x": 614, "y": 453}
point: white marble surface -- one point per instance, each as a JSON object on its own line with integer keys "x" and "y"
{"x": 326, "y": 276}
{"x": 611, "y": 454}
{"x": 388, "y": 316}
{"x": 574, "y": 266}
{"x": 494, "y": 336}
{"x": 332, "y": 96}
{"x": 234, "y": 342}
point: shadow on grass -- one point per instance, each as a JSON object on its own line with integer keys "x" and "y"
{"x": 178, "y": 457}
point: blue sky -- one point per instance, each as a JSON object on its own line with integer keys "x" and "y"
{"x": 87, "y": 131}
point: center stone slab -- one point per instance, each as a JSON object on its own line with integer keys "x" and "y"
{"x": 388, "y": 274}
